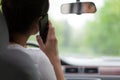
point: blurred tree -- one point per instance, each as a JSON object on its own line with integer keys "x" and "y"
{"x": 103, "y": 34}
{"x": 0, "y": 5}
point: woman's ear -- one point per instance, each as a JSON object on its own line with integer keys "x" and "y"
{"x": 35, "y": 26}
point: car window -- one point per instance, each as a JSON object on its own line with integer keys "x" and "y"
{"x": 87, "y": 35}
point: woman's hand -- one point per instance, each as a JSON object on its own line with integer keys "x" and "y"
{"x": 50, "y": 48}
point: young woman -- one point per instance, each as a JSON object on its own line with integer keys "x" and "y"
{"x": 23, "y": 17}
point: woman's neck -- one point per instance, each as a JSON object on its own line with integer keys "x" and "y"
{"x": 19, "y": 39}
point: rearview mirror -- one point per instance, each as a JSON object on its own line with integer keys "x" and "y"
{"x": 78, "y": 8}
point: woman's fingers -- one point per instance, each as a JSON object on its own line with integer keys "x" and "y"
{"x": 51, "y": 34}
{"x": 40, "y": 42}
{"x": 51, "y": 41}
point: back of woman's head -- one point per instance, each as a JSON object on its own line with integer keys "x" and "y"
{"x": 20, "y": 14}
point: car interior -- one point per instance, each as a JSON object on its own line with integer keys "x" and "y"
{"x": 88, "y": 35}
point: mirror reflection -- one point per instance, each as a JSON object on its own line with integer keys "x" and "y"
{"x": 78, "y": 8}
{"x": 88, "y": 7}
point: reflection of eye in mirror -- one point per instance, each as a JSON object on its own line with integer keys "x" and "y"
{"x": 88, "y": 7}
{"x": 78, "y": 8}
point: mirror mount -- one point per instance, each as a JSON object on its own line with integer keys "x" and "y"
{"x": 79, "y": 7}
{"x": 77, "y": 0}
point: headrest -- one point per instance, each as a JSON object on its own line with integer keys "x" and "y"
{"x": 4, "y": 38}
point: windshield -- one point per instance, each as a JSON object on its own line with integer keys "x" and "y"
{"x": 87, "y": 35}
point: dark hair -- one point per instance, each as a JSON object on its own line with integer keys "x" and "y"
{"x": 20, "y": 14}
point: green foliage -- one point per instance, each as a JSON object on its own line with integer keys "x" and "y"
{"x": 0, "y": 5}
{"x": 103, "y": 34}
{"x": 66, "y": 41}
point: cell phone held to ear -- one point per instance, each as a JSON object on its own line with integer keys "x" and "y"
{"x": 43, "y": 27}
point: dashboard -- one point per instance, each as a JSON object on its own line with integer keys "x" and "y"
{"x": 91, "y": 72}
{"x": 90, "y": 69}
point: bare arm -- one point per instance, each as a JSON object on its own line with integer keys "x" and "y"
{"x": 51, "y": 50}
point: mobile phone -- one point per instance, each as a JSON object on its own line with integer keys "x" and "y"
{"x": 43, "y": 27}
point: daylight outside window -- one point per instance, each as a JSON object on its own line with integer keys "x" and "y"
{"x": 88, "y": 35}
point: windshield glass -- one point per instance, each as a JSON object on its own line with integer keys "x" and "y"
{"x": 87, "y": 35}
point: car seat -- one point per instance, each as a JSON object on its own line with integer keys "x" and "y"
{"x": 14, "y": 64}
